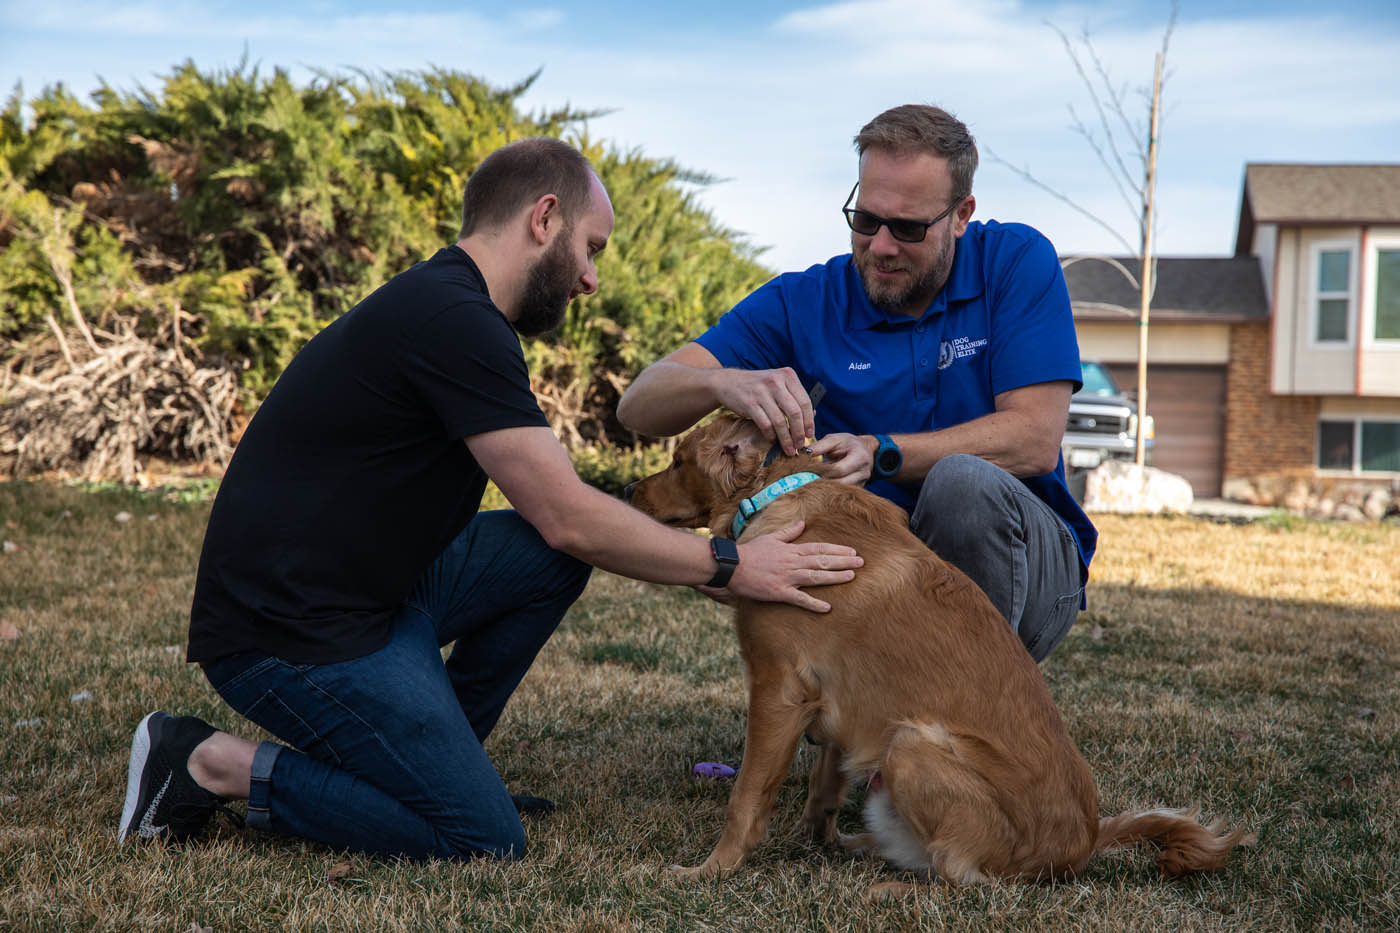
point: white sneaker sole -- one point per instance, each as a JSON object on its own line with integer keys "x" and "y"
{"x": 135, "y": 771}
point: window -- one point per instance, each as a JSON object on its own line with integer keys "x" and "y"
{"x": 1387, "y": 294}
{"x": 1097, "y": 379}
{"x": 1359, "y": 446}
{"x": 1332, "y": 309}
{"x": 1380, "y": 446}
{"x": 1334, "y": 447}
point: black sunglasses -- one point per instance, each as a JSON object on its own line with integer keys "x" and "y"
{"x": 902, "y": 229}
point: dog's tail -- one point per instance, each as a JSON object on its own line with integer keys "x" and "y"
{"x": 1185, "y": 844}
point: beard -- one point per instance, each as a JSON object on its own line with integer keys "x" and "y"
{"x": 548, "y": 285}
{"x": 914, "y": 297}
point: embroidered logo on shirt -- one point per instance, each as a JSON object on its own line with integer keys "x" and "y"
{"x": 958, "y": 348}
{"x": 858, "y": 367}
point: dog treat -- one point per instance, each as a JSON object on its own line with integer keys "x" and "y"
{"x": 713, "y": 769}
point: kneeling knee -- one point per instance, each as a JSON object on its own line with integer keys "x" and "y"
{"x": 956, "y": 477}
{"x": 507, "y": 845}
{"x": 957, "y": 486}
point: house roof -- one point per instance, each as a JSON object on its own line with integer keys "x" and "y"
{"x": 1225, "y": 289}
{"x": 1316, "y": 194}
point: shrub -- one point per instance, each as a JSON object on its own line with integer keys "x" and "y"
{"x": 233, "y": 214}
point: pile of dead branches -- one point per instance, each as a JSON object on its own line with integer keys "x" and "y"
{"x": 96, "y": 406}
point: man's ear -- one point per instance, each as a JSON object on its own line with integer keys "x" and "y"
{"x": 545, "y": 218}
{"x": 964, "y": 214}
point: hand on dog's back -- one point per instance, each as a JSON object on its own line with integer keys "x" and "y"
{"x": 772, "y": 569}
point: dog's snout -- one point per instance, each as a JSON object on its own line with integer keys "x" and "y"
{"x": 627, "y": 492}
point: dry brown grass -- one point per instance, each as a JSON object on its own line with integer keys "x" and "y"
{"x": 1230, "y": 666}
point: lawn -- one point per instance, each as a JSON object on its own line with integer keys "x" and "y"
{"x": 1250, "y": 669}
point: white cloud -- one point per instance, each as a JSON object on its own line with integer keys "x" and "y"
{"x": 1299, "y": 73}
{"x": 538, "y": 19}
{"x": 877, "y": 21}
{"x": 314, "y": 27}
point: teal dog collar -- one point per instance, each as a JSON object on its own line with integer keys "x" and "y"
{"x": 750, "y": 507}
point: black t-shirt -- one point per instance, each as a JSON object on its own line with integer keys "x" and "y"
{"x": 352, "y": 476}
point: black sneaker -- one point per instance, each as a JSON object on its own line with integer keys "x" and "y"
{"x": 162, "y": 800}
{"x": 527, "y": 805}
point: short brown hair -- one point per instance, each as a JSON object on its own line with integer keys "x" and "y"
{"x": 521, "y": 173}
{"x": 924, "y": 128}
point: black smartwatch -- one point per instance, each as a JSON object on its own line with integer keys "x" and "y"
{"x": 726, "y": 555}
{"x": 888, "y": 459}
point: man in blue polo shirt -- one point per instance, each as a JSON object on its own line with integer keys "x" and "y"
{"x": 948, "y": 353}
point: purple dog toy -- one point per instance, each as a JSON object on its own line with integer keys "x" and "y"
{"x": 713, "y": 769}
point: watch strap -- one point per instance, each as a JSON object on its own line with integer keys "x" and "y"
{"x": 726, "y": 555}
{"x": 885, "y": 447}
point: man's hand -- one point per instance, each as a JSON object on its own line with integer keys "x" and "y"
{"x": 773, "y": 570}
{"x": 773, "y": 399}
{"x": 852, "y": 456}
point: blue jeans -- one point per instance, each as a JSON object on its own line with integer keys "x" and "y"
{"x": 386, "y": 750}
{"x": 985, "y": 522}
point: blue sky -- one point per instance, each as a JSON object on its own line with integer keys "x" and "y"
{"x": 767, "y": 94}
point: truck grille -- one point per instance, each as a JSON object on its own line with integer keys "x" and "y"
{"x": 1091, "y": 422}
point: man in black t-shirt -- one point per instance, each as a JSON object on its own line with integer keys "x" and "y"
{"x": 345, "y": 548}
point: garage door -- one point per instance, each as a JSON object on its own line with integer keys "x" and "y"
{"x": 1188, "y": 404}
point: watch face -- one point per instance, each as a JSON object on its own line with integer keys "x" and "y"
{"x": 724, "y": 551}
{"x": 887, "y": 461}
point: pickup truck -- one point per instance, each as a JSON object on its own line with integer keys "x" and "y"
{"x": 1103, "y": 425}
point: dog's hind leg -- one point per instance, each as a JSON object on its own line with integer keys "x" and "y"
{"x": 938, "y": 813}
{"x": 775, "y": 724}
{"x": 826, "y": 791}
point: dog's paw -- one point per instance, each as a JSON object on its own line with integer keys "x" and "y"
{"x": 821, "y": 831}
{"x": 686, "y": 875}
{"x": 857, "y": 843}
{"x": 890, "y": 891}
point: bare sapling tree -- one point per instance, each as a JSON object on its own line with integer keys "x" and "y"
{"x": 1128, "y": 151}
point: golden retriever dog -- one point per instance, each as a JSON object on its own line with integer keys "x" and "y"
{"x": 913, "y": 682}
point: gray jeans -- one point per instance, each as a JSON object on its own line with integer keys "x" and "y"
{"x": 986, "y": 523}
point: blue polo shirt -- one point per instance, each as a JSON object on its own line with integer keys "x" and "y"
{"x": 1001, "y": 322}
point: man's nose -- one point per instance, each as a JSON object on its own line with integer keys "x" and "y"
{"x": 883, "y": 242}
{"x": 589, "y": 281}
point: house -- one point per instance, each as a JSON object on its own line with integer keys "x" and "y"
{"x": 1278, "y": 366}
{"x": 1196, "y": 305}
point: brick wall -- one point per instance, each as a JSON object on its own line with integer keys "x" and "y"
{"x": 1265, "y": 434}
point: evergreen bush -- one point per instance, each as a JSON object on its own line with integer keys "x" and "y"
{"x": 235, "y": 213}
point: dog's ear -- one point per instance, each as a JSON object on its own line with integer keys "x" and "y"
{"x": 735, "y": 453}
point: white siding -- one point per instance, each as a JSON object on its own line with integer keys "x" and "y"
{"x": 1167, "y": 342}
{"x": 1380, "y": 359}
{"x": 1302, "y": 366}
{"x": 1265, "y": 247}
